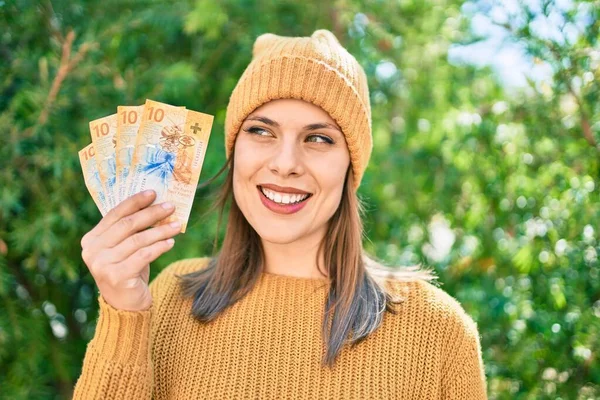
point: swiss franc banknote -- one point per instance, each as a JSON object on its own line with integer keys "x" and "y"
{"x": 128, "y": 124}
{"x": 103, "y": 131}
{"x": 91, "y": 176}
{"x": 169, "y": 153}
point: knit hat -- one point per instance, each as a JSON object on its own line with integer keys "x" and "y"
{"x": 316, "y": 69}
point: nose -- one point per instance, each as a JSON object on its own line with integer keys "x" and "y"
{"x": 287, "y": 158}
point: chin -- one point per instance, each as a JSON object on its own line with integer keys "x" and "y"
{"x": 278, "y": 236}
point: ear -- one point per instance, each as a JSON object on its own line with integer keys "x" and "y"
{"x": 327, "y": 36}
{"x": 262, "y": 43}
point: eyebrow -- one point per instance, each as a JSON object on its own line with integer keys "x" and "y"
{"x": 311, "y": 127}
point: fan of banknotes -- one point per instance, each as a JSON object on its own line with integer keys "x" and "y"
{"x": 152, "y": 146}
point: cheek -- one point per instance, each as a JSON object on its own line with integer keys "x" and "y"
{"x": 331, "y": 182}
{"x": 245, "y": 162}
{"x": 330, "y": 173}
{"x": 240, "y": 168}
{"x": 246, "y": 165}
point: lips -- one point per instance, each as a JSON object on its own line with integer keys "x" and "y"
{"x": 283, "y": 189}
{"x": 293, "y": 197}
{"x": 282, "y": 208}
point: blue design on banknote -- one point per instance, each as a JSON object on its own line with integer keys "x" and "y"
{"x": 110, "y": 168}
{"x": 124, "y": 157}
{"x": 159, "y": 164}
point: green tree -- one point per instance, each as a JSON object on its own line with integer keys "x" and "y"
{"x": 495, "y": 188}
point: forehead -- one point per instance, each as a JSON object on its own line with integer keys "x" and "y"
{"x": 291, "y": 111}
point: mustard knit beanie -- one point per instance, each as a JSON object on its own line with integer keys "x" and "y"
{"x": 316, "y": 69}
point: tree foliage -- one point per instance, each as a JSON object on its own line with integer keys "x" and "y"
{"x": 496, "y": 189}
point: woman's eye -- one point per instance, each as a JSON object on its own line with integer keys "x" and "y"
{"x": 256, "y": 131}
{"x": 323, "y": 139}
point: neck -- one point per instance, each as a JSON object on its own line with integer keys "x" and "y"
{"x": 298, "y": 259}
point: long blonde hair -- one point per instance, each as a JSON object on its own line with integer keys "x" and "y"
{"x": 357, "y": 297}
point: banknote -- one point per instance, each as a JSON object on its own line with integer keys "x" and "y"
{"x": 103, "y": 131}
{"x": 91, "y": 177}
{"x": 169, "y": 153}
{"x": 128, "y": 123}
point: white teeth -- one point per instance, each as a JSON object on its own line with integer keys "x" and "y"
{"x": 283, "y": 198}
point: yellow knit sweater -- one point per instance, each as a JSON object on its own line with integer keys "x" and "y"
{"x": 269, "y": 346}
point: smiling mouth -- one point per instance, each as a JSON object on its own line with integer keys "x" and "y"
{"x": 284, "y": 199}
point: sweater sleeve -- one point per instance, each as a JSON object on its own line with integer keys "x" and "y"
{"x": 117, "y": 363}
{"x": 464, "y": 378}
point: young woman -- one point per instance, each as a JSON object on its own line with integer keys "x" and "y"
{"x": 291, "y": 306}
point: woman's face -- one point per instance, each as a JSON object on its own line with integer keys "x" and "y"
{"x": 291, "y": 146}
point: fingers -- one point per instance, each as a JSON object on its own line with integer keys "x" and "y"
{"x": 143, "y": 239}
{"x": 136, "y": 263}
{"x": 125, "y": 208}
{"x": 134, "y": 223}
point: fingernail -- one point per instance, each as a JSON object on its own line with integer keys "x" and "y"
{"x": 170, "y": 241}
{"x": 167, "y": 206}
{"x": 175, "y": 224}
{"x": 148, "y": 192}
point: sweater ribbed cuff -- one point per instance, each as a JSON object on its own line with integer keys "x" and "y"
{"x": 123, "y": 336}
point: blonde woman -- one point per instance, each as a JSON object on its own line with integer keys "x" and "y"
{"x": 290, "y": 307}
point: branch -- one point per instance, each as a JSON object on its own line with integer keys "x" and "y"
{"x": 585, "y": 121}
{"x": 67, "y": 63}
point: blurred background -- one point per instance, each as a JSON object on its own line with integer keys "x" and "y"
{"x": 486, "y": 123}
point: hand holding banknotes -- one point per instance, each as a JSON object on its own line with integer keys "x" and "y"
{"x": 141, "y": 169}
{"x": 118, "y": 251}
